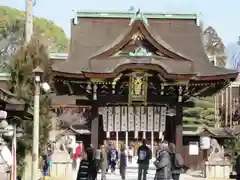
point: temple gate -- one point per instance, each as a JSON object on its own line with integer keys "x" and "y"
{"x": 135, "y": 72}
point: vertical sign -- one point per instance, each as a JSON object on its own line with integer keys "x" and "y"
{"x": 156, "y": 119}
{"x": 163, "y": 119}
{"x": 117, "y": 118}
{"x": 137, "y": 118}
{"x": 124, "y": 117}
{"x": 130, "y": 119}
{"x": 110, "y": 119}
{"x": 143, "y": 118}
{"x": 150, "y": 119}
{"x": 103, "y": 112}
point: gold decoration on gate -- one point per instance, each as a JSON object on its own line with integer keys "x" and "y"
{"x": 138, "y": 87}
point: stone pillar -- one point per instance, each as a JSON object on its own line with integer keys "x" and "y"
{"x": 179, "y": 128}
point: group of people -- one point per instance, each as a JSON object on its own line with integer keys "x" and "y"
{"x": 168, "y": 162}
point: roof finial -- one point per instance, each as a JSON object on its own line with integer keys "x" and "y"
{"x": 139, "y": 16}
{"x": 138, "y": 12}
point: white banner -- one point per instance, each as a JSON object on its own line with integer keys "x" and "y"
{"x": 163, "y": 119}
{"x": 117, "y": 119}
{"x": 130, "y": 118}
{"x": 156, "y": 119}
{"x": 143, "y": 118}
{"x": 124, "y": 118}
{"x": 137, "y": 119}
{"x": 110, "y": 119}
{"x": 150, "y": 119}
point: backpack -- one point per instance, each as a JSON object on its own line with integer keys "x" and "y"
{"x": 142, "y": 155}
{"x": 177, "y": 161}
{"x": 113, "y": 155}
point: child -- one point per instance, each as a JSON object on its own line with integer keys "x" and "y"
{"x": 123, "y": 162}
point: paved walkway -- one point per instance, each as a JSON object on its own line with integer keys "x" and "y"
{"x": 132, "y": 175}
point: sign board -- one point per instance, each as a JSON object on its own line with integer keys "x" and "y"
{"x": 193, "y": 148}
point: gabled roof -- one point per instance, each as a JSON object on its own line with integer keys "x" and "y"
{"x": 174, "y": 37}
{"x": 135, "y": 29}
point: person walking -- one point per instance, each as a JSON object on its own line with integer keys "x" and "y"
{"x": 163, "y": 163}
{"x": 88, "y": 167}
{"x": 130, "y": 154}
{"x": 104, "y": 162}
{"x": 113, "y": 158}
{"x": 177, "y": 162}
{"x": 123, "y": 162}
{"x": 144, "y": 156}
{"x": 98, "y": 157}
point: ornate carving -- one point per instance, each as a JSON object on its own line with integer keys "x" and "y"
{"x": 138, "y": 87}
{"x": 140, "y": 51}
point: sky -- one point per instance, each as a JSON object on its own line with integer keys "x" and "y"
{"x": 222, "y": 15}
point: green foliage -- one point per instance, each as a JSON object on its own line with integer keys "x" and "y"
{"x": 201, "y": 113}
{"x": 22, "y": 84}
{"x": 214, "y": 45}
{"x": 56, "y": 38}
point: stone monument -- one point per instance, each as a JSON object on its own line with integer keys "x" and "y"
{"x": 217, "y": 166}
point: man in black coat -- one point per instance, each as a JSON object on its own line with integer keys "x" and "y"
{"x": 144, "y": 156}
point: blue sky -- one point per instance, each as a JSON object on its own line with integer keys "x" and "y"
{"x": 222, "y": 15}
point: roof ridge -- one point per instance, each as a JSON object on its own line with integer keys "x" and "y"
{"x": 122, "y": 14}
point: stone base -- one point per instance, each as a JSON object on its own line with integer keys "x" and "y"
{"x": 217, "y": 170}
{"x": 61, "y": 165}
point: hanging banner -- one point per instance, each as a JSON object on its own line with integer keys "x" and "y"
{"x": 143, "y": 118}
{"x": 163, "y": 119}
{"x": 110, "y": 119}
{"x": 150, "y": 118}
{"x": 137, "y": 119}
{"x": 124, "y": 118}
{"x": 130, "y": 118}
{"x": 157, "y": 119}
{"x": 117, "y": 119}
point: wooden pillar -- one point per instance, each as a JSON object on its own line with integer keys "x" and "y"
{"x": 95, "y": 128}
{"x": 179, "y": 128}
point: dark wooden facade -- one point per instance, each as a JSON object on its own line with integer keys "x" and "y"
{"x": 16, "y": 108}
{"x": 136, "y": 59}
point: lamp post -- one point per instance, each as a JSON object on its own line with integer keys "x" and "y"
{"x": 35, "y": 149}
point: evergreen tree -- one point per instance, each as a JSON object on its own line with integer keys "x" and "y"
{"x": 200, "y": 113}
{"x": 22, "y": 84}
{"x": 214, "y": 46}
{"x": 202, "y": 110}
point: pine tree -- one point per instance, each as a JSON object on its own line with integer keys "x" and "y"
{"x": 22, "y": 84}
{"x": 200, "y": 113}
